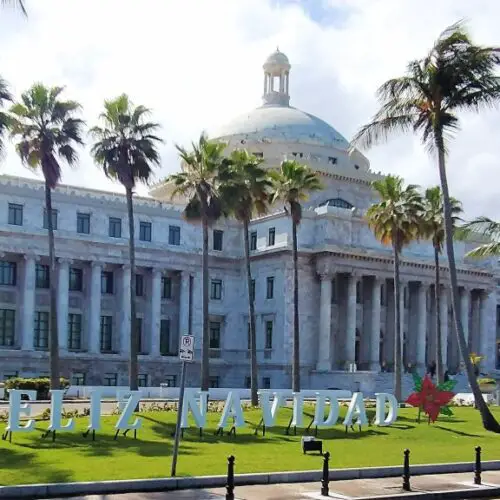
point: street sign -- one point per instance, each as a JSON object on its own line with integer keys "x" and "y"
{"x": 186, "y": 351}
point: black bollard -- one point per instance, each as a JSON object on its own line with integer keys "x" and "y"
{"x": 477, "y": 467}
{"x": 406, "y": 471}
{"x": 325, "y": 491}
{"x": 230, "y": 478}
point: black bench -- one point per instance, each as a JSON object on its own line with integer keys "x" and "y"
{"x": 313, "y": 445}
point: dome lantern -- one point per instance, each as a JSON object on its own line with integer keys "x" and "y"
{"x": 276, "y": 79}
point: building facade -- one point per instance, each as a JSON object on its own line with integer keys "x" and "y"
{"x": 346, "y": 285}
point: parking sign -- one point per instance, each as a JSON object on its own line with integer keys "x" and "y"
{"x": 186, "y": 352}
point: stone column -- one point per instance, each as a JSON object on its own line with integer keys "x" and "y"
{"x": 125, "y": 311}
{"x": 443, "y": 319}
{"x": 325, "y": 325}
{"x": 421, "y": 325}
{"x": 350, "y": 341}
{"x": 155, "y": 311}
{"x": 464, "y": 311}
{"x": 184, "y": 304}
{"x": 63, "y": 302}
{"x": 28, "y": 303}
{"x": 487, "y": 329}
{"x": 94, "y": 325}
{"x": 375, "y": 325}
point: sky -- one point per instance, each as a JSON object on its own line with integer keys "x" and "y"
{"x": 198, "y": 63}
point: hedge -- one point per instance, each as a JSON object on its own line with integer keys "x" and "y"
{"x": 40, "y": 385}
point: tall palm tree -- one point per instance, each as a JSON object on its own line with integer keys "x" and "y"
{"x": 292, "y": 184}
{"x": 18, "y": 4}
{"x": 395, "y": 221}
{"x": 486, "y": 228}
{"x": 244, "y": 189}
{"x": 433, "y": 228}
{"x": 46, "y": 130}
{"x": 5, "y": 96}
{"x": 199, "y": 183}
{"x": 456, "y": 75}
{"x": 126, "y": 148}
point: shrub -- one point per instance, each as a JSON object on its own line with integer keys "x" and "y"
{"x": 486, "y": 381}
{"x": 40, "y": 385}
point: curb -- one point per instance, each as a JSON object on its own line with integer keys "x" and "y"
{"x": 169, "y": 484}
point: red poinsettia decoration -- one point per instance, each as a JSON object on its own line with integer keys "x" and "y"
{"x": 430, "y": 398}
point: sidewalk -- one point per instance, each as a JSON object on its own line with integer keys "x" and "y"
{"x": 457, "y": 486}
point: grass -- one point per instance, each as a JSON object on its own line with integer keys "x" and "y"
{"x": 31, "y": 459}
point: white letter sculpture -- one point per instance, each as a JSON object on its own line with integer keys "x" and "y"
{"x": 198, "y": 409}
{"x": 356, "y": 408}
{"x": 16, "y": 409}
{"x": 380, "y": 419}
{"x": 298, "y": 406}
{"x": 56, "y": 402}
{"x": 270, "y": 411}
{"x": 95, "y": 409}
{"x": 128, "y": 406}
{"x": 232, "y": 408}
{"x": 333, "y": 415}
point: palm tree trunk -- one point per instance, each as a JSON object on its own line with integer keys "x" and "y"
{"x": 397, "y": 329}
{"x": 205, "y": 372}
{"x": 296, "y": 336}
{"x": 489, "y": 421}
{"x": 134, "y": 333}
{"x": 437, "y": 296}
{"x": 251, "y": 318}
{"x": 55, "y": 380}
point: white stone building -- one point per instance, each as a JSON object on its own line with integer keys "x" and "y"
{"x": 346, "y": 299}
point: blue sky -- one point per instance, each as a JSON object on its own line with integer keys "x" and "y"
{"x": 198, "y": 63}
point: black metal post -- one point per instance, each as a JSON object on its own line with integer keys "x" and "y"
{"x": 325, "y": 491}
{"x": 406, "y": 471}
{"x": 230, "y": 478}
{"x": 477, "y": 467}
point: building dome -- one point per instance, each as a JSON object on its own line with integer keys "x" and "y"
{"x": 277, "y": 58}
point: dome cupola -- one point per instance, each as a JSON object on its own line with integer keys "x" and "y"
{"x": 276, "y": 79}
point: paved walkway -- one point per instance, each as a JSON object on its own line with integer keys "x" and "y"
{"x": 345, "y": 490}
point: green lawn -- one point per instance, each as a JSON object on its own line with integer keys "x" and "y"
{"x": 30, "y": 459}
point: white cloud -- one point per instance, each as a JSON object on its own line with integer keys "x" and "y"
{"x": 198, "y": 63}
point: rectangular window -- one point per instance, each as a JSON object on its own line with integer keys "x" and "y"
{"x": 8, "y": 273}
{"x": 218, "y": 236}
{"x": 15, "y": 214}
{"x": 46, "y": 219}
{"x": 270, "y": 287}
{"x": 359, "y": 299}
{"x": 107, "y": 282}
{"x": 83, "y": 223}
{"x": 252, "y": 290}
{"x": 110, "y": 379}
{"x": 142, "y": 380}
{"x": 166, "y": 287}
{"x": 266, "y": 382}
{"x": 139, "y": 285}
{"x": 213, "y": 382}
{"x": 383, "y": 292}
{"x": 42, "y": 276}
{"x": 174, "y": 235}
{"x": 78, "y": 378}
{"x": 115, "y": 227}
{"x": 269, "y": 335}
{"x": 145, "y": 231}
{"x": 214, "y": 335}
{"x": 106, "y": 333}
{"x": 74, "y": 332}
{"x": 258, "y": 154}
{"x": 138, "y": 326}
{"x": 41, "y": 337}
{"x": 271, "y": 237}
{"x": 216, "y": 290}
{"x": 332, "y": 160}
{"x": 165, "y": 338}
{"x": 253, "y": 240}
{"x": 170, "y": 380}
{"x": 75, "y": 279}
{"x": 7, "y": 327}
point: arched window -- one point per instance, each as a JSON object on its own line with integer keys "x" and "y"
{"x": 337, "y": 202}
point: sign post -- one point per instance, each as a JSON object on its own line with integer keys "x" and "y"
{"x": 186, "y": 355}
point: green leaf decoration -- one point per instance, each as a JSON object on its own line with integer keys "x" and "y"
{"x": 446, "y": 410}
{"x": 417, "y": 380}
{"x": 447, "y": 386}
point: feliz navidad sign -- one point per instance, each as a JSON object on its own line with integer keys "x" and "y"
{"x": 196, "y": 403}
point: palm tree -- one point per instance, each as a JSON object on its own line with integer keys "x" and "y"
{"x": 199, "y": 183}
{"x": 483, "y": 227}
{"x": 433, "y": 228}
{"x": 456, "y": 75}
{"x": 292, "y": 184}
{"x": 5, "y": 96}
{"x": 18, "y": 4}
{"x": 126, "y": 148}
{"x": 47, "y": 130}
{"x": 395, "y": 221}
{"x": 244, "y": 189}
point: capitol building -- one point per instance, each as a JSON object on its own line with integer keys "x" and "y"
{"x": 345, "y": 276}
